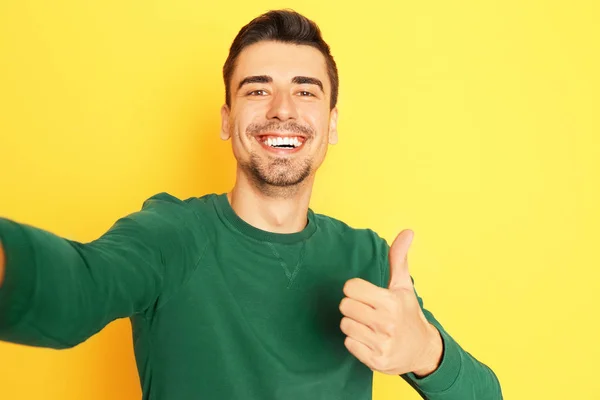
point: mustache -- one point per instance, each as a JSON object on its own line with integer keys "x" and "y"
{"x": 274, "y": 126}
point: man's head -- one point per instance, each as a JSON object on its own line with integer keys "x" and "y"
{"x": 281, "y": 93}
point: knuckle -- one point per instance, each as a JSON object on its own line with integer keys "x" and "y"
{"x": 344, "y": 304}
{"x": 386, "y": 327}
{"x": 345, "y": 324}
{"x": 380, "y": 362}
{"x": 384, "y": 348}
{"x": 349, "y": 285}
{"x": 348, "y": 342}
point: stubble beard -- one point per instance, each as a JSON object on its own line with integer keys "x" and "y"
{"x": 277, "y": 176}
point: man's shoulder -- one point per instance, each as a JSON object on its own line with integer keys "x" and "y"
{"x": 333, "y": 226}
{"x": 167, "y": 209}
{"x": 167, "y": 201}
{"x": 363, "y": 246}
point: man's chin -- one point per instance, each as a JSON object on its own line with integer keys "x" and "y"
{"x": 282, "y": 180}
{"x": 279, "y": 172}
{"x": 281, "y": 177}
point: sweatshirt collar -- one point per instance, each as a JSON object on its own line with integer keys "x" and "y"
{"x": 224, "y": 207}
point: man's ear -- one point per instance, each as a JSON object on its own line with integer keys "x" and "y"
{"x": 225, "y": 135}
{"x": 333, "y": 120}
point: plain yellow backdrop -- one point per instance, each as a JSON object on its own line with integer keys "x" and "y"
{"x": 474, "y": 123}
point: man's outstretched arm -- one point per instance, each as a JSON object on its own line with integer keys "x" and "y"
{"x": 57, "y": 292}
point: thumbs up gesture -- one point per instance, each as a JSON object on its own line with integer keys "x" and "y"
{"x": 385, "y": 328}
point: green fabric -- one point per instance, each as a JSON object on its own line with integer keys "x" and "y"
{"x": 219, "y": 309}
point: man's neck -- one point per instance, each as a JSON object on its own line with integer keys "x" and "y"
{"x": 273, "y": 214}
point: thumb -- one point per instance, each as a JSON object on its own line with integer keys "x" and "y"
{"x": 398, "y": 256}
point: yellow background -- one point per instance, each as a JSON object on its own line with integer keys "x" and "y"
{"x": 475, "y": 123}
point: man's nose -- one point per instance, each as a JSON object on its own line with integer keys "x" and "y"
{"x": 282, "y": 107}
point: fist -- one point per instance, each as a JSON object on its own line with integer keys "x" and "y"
{"x": 385, "y": 328}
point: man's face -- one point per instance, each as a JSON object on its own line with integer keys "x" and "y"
{"x": 280, "y": 122}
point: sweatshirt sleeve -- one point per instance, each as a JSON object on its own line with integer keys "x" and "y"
{"x": 58, "y": 292}
{"x": 460, "y": 376}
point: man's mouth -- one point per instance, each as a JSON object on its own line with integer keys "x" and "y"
{"x": 281, "y": 142}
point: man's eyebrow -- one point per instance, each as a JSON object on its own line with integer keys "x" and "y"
{"x": 255, "y": 79}
{"x": 299, "y": 80}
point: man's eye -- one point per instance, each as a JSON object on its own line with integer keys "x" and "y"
{"x": 305, "y": 93}
{"x": 258, "y": 92}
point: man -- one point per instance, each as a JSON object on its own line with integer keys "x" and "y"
{"x": 249, "y": 294}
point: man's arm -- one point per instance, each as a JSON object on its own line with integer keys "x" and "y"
{"x": 459, "y": 376}
{"x": 456, "y": 375}
{"x": 406, "y": 339}
{"x": 57, "y": 292}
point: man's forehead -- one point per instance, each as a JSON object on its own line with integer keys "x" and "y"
{"x": 280, "y": 61}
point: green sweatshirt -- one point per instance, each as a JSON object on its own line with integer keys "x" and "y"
{"x": 219, "y": 309}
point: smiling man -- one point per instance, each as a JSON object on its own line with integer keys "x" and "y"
{"x": 247, "y": 294}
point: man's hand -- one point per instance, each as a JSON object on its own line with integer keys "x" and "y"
{"x": 385, "y": 328}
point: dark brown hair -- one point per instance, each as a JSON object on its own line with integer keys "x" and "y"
{"x": 284, "y": 26}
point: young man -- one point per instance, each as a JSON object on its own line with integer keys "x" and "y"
{"x": 249, "y": 294}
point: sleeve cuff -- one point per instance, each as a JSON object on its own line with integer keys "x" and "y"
{"x": 19, "y": 274}
{"x": 448, "y": 371}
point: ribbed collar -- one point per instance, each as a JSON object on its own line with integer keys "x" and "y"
{"x": 225, "y": 209}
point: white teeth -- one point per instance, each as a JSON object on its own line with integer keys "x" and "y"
{"x": 283, "y": 141}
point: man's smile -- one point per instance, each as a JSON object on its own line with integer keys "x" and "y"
{"x": 281, "y": 143}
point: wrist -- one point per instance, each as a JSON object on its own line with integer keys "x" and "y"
{"x": 432, "y": 355}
